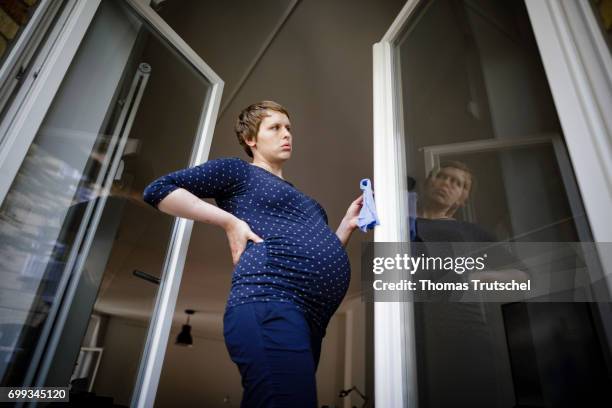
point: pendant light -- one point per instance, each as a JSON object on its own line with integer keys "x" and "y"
{"x": 184, "y": 337}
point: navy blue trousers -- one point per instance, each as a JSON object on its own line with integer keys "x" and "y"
{"x": 277, "y": 353}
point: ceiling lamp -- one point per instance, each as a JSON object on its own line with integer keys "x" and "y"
{"x": 184, "y": 337}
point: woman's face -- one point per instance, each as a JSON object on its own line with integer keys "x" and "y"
{"x": 274, "y": 140}
{"x": 448, "y": 187}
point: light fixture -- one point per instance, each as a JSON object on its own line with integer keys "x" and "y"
{"x": 184, "y": 337}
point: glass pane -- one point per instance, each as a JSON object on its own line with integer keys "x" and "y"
{"x": 487, "y": 161}
{"x": 128, "y": 110}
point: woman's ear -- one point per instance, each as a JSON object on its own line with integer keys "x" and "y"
{"x": 252, "y": 142}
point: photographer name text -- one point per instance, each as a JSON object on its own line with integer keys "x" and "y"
{"x": 428, "y": 285}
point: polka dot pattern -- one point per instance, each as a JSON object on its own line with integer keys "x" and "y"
{"x": 300, "y": 261}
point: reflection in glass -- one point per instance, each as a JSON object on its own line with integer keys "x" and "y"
{"x": 486, "y": 161}
{"x": 73, "y": 227}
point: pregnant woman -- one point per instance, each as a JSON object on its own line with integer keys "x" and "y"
{"x": 290, "y": 269}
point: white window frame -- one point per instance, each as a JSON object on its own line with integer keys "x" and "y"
{"x": 34, "y": 104}
{"x": 578, "y": 66}
{"x": 395, "y": 378}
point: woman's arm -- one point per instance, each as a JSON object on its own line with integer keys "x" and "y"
{"x": 349, "y": 222}
{"x": 182, "y": 203}
{"x": 180, "y": 194}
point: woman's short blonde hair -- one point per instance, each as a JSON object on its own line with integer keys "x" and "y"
{"x": 247, "y": 124}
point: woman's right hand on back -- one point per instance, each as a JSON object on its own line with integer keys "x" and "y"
{"x": 238, "y": 234}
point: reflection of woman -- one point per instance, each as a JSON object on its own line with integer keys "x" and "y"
{"x": 445, "y": 191}
{"x": 454, "y": 337}
{"x": 457, "y": 337}
{"x": 291, "y": 271}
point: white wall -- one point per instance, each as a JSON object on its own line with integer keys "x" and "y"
{"x": 356, "y": 339}
{"x": 202, "y": 375}
{"x": 123, "y": 342}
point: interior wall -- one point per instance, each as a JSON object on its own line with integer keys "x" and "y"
{"x": 330, "y": 372}
{"x": 123, "y": 342}
{"x": 356, "y": 372}
{"x": 202, "y": 375}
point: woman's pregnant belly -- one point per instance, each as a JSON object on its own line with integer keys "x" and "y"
{"x": 307, "y": 266}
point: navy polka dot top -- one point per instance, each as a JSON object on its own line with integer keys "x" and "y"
{"x": 301, "y": 260}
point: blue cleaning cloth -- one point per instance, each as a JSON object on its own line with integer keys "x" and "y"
{"x": 368, "y": 217}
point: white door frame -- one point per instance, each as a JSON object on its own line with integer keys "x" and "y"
{"x": 578, "y": 66}
{"x": 37, "y": 99}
